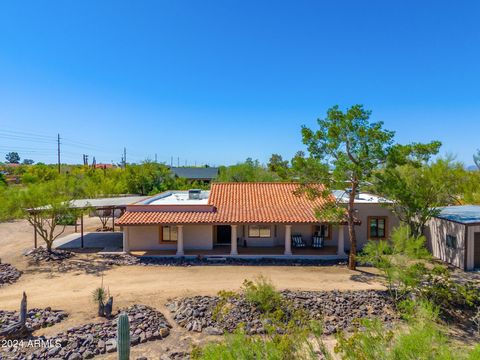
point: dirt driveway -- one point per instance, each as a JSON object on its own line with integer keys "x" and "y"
{"x": 150, "y": 285}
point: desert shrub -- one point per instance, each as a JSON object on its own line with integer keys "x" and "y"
{"x": 408, "y": 273}
{"x": 412, "y": 246}
{"x": 421, "y": 338}
{"x": 262, "y": 294}
{"x": 302, "y": 344}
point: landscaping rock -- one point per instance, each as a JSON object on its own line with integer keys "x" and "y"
{"x": 36, "y": 318}
{"x": 89, "y": 340}
{"x": 337, "y": 310}
{"x": 125, "y": 259}
{"x": 8, "y": 274}
{"x": 41, "y": 254}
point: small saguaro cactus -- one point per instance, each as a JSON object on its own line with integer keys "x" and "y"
{"x": 123, "y": 337}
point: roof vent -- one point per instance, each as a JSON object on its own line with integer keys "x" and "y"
{"x": 194, "y": 194}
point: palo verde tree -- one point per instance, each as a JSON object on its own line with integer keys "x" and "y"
{"x": 46, "y": 206}
{"x": 418, "y": 187}
{"x": 348, "y": 149}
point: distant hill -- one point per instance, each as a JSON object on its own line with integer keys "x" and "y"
{"x": 472, "y": 167}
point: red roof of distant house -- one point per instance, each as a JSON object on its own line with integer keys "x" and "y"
{"x": 103, "y": 166}
{"x": 239, "y": 203}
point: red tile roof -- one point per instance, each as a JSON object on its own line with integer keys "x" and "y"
{"x": 240, "y": 203}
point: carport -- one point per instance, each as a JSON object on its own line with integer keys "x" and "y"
{"x": 111, "y": 204}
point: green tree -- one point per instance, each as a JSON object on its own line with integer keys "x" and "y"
{"x": 248, "y": 171}
{"x": 350, "y": 149}
{"x": 277, "y": 165}
{"x": 417, "y": 190}
{"x": 44, "y": 206}
{"x": 27, "y": 162}
{"x": 148, "y": 178}
{"x": 12, "y": 157}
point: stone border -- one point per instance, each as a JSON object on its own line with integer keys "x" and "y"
{"x": 337, "y": 309}
{"x": 89, "y": 340}
{"x": 36, "y": 318}
{"x": 128, "y": 260}
{"x": 9, "y": 274}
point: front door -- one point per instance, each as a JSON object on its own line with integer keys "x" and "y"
{"x": 476, "y": 250}
{"x": 224, "y": 234}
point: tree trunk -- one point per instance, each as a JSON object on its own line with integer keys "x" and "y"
{"x": 101, "y": 308}
{"x": 109, "y": 307}
{"x": 352, "y": 258}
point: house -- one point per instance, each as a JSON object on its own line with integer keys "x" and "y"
{"x": 376, "y": 220}
{"x": 199, "y": 174}
{"x": 454, "y": 236}
{"x": 242, "y": 219}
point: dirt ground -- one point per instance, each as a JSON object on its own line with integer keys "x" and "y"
{"x": 153, "y": 285}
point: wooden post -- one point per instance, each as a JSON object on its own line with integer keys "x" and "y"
{"x": 81, "y": 230}
{"x": 35, "y": 235}
{"x": 76, "y": 221}
{"x": 113, "y": 219}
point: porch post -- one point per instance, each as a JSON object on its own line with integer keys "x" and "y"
{"x": 180, "y": 241}
{"x": 288, "y": 240}
{"x": 81, "y": 231}
{"x": 233, "y": 247}
{"x": 113, "y": 219}
{"x": 126, "y": 247}
{"x": 341, "y": 241}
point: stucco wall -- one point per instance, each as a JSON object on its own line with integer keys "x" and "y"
{"x": 361, "y": 231}
{"x": 470, "y": 246}
{"x": 436, "y": 233}
{"x": 147, "y": 238}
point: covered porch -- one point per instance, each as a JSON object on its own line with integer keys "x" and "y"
{"x": 221, "y": 250}
{"x": 252, "y": 241}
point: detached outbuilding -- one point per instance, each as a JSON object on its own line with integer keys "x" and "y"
{"x": 454, "y": 236}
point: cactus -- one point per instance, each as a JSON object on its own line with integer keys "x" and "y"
{"x": 23, "y": 309}
{"x": 123, "y": 337}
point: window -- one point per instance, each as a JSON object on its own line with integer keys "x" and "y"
{"x": 377, "y": 227}
{"x": 168, "y": 234}
{"x": 451, "y": 241}
{"x": 323, "y": 230}
{"x": 259, "y": 231}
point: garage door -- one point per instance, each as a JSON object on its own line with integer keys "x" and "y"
{"x": 476, "y": 250}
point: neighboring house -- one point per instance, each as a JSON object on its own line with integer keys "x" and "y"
{"x": 243, "y": 219}
{"x": 454, "y": 236}
{"x": 103, "y": 166}
{"x": 199, "y": 174}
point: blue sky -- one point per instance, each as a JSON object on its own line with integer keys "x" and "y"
{"x": 219, "y": 81}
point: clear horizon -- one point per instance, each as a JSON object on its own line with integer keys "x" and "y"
{"x": 218, "y": 82}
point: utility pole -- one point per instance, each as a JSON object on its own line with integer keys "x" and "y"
{"x": 58, "y": 152}
{"x": 178, "y": 161}
{"x": 124, "y": 157}
{"x": 171, "y": 161}
{"x": 155, "y": 158}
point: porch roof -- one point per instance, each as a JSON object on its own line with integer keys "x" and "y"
{"x": 240, "y": 203}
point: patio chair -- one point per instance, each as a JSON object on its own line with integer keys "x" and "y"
{"x": 317, "y": 242}
{"x": 298, "y": 241}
